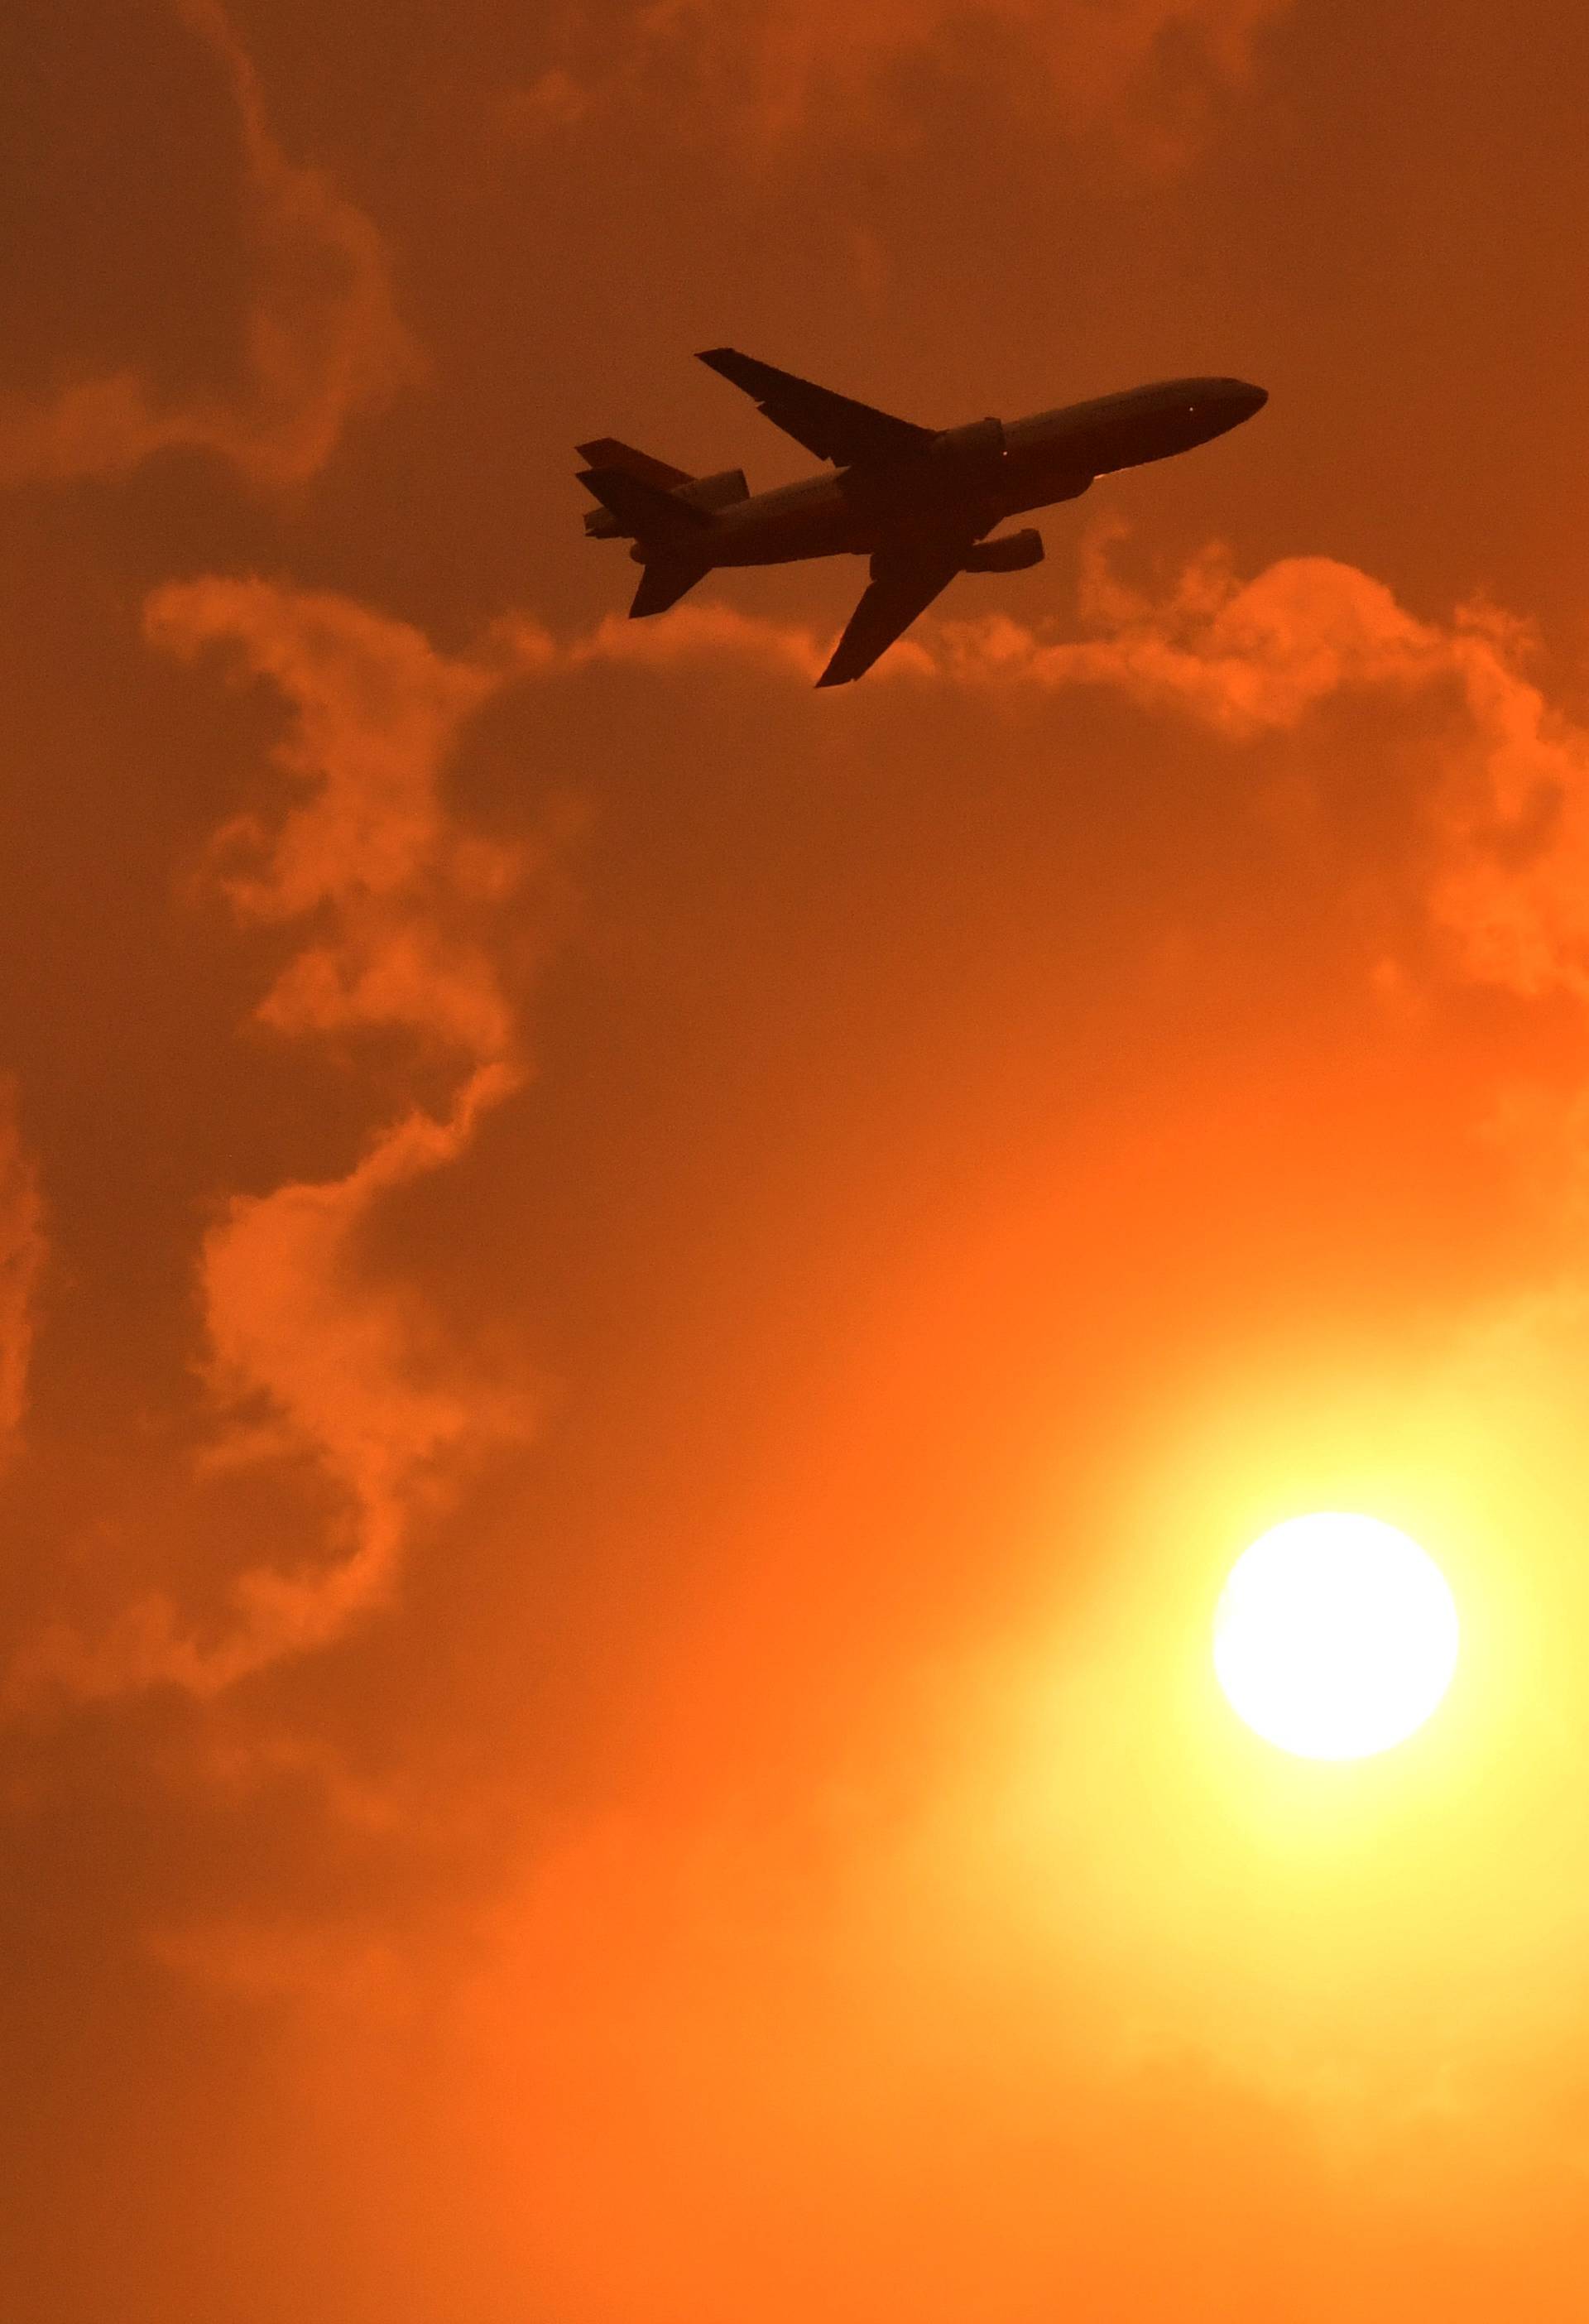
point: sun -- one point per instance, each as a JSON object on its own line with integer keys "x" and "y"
{"x": 1335, "y": 1637}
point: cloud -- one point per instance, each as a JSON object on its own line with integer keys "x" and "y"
{"x": 320, "y": 1359}
{"x": 1242, "y": 656}
{"x": 703, "y": 630}
{"x": 769, "y": 68}
{"x": 314, "y": 1356}
{"x": 322, "y": 335}
{"x": 698, "y": 633}
{"x": 1508, "y": 796}
{"x": 1508, "y": 800}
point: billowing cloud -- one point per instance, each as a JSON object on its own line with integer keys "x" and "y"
{"x": 780, "y": 67}
{"x": 316, "y": 1357}
{"x": 319, "y": 1357}
{"x": 322, "y": 337}
{"x": 705, "y": 632}
{"x": 1508, "y": 797}
{"x": 1510, "y": 789}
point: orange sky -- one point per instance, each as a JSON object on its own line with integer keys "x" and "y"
{"x": 640, "y": 1309}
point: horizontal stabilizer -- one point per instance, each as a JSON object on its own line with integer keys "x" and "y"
{"x": 606, "y": 452}
{"x": 665, "y": 581}
{"x": 643, "y": 509}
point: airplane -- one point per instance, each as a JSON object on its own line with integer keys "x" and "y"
{"x": 920, "y": 502}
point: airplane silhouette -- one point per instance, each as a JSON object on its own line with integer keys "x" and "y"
{"x": 920, "y": 502}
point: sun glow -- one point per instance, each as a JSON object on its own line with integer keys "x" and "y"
{"x": 1336, "y": 1636}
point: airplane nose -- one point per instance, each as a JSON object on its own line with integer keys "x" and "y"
{"x": 1249, "y": 400}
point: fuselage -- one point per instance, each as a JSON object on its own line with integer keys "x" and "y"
{"x": 973, "y": 477}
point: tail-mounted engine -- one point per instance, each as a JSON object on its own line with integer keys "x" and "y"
{"x": 719, "y": 492}
{"x": 980, "y": 444}
{"x": 1012, "y": 553}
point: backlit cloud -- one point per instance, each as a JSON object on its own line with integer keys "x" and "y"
{"x": 314, "y": 1353}
{"x": 1508, "y": 796}
{"x": 799, "y": 64}
{"x": 1510, "y": 788}
{"x": 322, "y": 339}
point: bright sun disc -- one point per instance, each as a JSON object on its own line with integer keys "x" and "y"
{"x": 1335, "y": 1637}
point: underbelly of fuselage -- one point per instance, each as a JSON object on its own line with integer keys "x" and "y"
{"x": 822, "y": 526}
{"x": 856, "y": 515}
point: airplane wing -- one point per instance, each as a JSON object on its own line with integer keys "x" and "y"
{"x": 901, "y": 586}
{"x": 834, "y": 427}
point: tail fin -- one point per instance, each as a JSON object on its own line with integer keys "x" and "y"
{"x": 646, "y": 511}
{"x": 606, "y": 452}
{"x": 665, "y": 579}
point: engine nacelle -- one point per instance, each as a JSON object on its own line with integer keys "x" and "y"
{"x": 719, "y": 492}
{"x": 1012, "y": 553}
{"x": 980, "y": 444}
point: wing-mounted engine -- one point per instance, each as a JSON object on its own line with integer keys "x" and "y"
{"x": 1012, "y": 553}
{"x": 718, "y": 492}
